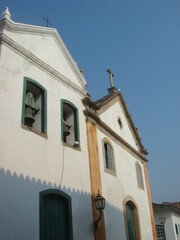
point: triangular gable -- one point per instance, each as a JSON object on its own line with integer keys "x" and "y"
{"x": 113, "y": 112}
{"x": 46, "y": 45}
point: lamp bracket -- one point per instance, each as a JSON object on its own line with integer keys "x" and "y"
{"x": 97, "y": 221}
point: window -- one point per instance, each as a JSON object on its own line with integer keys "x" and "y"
{"x": 69, "y": 123}
{"x": 120, "y": 122}
{"x": 176, "y": 227}
{"x": 34, "y": 106}
{"x": 108, "y": 153}
{"x": 160, "y": 232}
{"x": 131, "y": 216}
{"x": 139, "y": 176}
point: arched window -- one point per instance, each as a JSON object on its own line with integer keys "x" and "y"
{"x": 108, "y": 152}
{"x": 34, "y": 106}
{"x": 69, "y": 123}
{"x": 131, "y": 220}
{"x": 55, "y": 215}
{"x": 139, "y": 176}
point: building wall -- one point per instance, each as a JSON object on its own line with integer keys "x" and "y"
{"x": 116, "y": 188}
{"x": 172, "y": 218}
{"x": 30, "y": 163}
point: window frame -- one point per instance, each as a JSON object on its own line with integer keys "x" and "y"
{"x": 108, "y": 170}
{"x": 43, "y": 131}
{"x": 137, "y": 165}
{"x": 76, "y": 121}
{"x": 160, "y": 232}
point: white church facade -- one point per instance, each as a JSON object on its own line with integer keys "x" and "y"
{"x": 58, "y": 147}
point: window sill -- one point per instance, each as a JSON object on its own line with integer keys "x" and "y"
{"x": 141, "y": 188}
{"x": 34, "y": 131}
{"x": 71, "y": 146}
{"x": 110, "y": 172}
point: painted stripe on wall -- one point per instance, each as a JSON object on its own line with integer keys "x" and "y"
{"x": 150, "y": 203}
{"x": 95, "y": 176}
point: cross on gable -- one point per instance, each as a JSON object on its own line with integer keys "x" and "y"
{"x": 111, "y": 75}
{"x": 47, "y": 21}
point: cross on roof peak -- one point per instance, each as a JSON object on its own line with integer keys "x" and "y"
{"x": 47, "y": 21}
{"x": 111, "y": 75}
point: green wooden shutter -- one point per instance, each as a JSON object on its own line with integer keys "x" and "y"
{"x": 106, "y": 155}
{"x": 130, "y": 222}
{"x": 55, "y": 217}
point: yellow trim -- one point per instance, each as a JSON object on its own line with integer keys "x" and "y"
{"x": 150, "y": 203}
{"x": 95, "y": 176}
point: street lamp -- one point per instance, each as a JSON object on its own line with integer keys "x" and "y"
{"x": 162, "y": 220}
{"x": 99, "y": 202}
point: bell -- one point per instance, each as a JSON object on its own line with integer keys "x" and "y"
{"x": 31, "y": 109}
{"x": 66, "y": 128}
{"x": 29, "y": 119}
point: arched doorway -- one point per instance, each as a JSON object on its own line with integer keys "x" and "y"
{"x": 55, "y": 215}
{"x": 131, "y": 220}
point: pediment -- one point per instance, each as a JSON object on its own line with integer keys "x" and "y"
{"x": 114, "y": 113}
{"x": 47, "y": 45}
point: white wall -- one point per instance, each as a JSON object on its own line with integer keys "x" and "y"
{"x": 172, "y": 218}
{"x": 110, "y": 117}
{"x": 116, "y": 188}
{"x": 45, "y": 47}
{"x": 30, "y": 163}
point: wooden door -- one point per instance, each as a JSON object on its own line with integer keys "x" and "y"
{"x": 130, "y": 222}
{"x": 55, "y": 217}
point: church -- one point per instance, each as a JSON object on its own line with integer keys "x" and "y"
{"x": 71, "y": 168}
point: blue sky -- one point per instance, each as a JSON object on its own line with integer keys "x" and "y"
{"x": 140, "y": 41}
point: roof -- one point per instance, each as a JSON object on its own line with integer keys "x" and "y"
{"x": 175, "y": 206}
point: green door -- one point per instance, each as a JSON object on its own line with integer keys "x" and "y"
{"x": 130, "y": 222}
{"x": 55, "y": 216}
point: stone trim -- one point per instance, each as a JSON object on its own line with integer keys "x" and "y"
{"x": 34, "y": 131}
{"x": 142, "y": 188}
{"x": 136, "y": 215}
{"x": 107, "y": 170}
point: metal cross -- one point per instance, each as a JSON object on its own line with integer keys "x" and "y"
{"x": 111, "y": 75}
{"x": 47, "y": 21}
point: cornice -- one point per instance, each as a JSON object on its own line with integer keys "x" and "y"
{"x": 40, "y": 64}
{"x": 92, "y": 115}
{"x": 88, "y": 102}
{"x": 11, "y": 26}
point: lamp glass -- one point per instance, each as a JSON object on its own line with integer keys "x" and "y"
{"x": 99, "y": 202}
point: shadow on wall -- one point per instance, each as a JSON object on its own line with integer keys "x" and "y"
{"x": 19, "y": 210}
